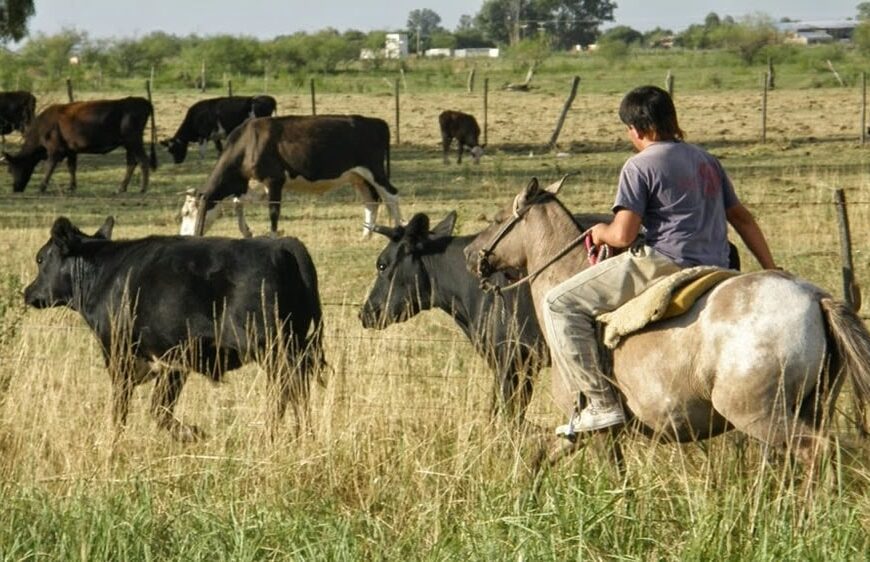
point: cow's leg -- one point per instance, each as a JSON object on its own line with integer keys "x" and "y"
{"x": 167, "y": 388}
{"x": 202, "y": 145}
{"x": 144, "y": 166}
{"x": 218, "y": 146}
{"x": 128, "y": 174}
{"x": 445, "y": 143}
{"x": 239, "y": 209}
{"x": 275, "y": 203}
{"x": 122, "y": 391}
{"x": 50, "y": 165}
{"x": 71, "y": 164}
{"x": 371, "y": 204}
{"x": 374, "y": 191}
{"x": 459, "y": 156}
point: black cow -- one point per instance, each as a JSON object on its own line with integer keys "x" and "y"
{"x": 85, "y": 127}
{"x": 303, "y": 153}
{"x": 464, "y": 128}
{"x": 162, "y": 306}
{"x": 422, "y": 269}
{"x": 16, "y": 111}
{"x": 213, "y": 119}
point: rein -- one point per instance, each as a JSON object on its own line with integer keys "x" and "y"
{"x": 485, "y": 270}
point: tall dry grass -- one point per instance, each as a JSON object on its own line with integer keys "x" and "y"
{"x": 404, "y": 462}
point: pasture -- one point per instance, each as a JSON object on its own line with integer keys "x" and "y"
{"x": 404, "y": 462}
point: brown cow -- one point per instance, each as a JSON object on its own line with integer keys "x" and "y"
{"x": 464, "y": 128}
{"x": 89, "y": 127}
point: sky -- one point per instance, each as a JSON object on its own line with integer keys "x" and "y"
{"x": 267, "y": 18}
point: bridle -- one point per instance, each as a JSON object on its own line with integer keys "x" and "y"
{"x": 485, "y": 268}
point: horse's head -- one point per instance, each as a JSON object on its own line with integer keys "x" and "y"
{"x": 505, "y": 242}
{"x": 403, "y": 286}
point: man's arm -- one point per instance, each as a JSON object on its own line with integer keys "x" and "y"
{"x": 744, "y": 223}
{"x": 619, "y": 233}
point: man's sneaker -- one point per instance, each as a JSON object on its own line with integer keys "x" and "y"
{"x": 592, "y": 418}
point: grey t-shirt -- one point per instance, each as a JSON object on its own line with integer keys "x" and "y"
{"x": 681, "y": 193}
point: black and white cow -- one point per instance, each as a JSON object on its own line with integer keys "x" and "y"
{"x": 163, "y": 306}
{"x": 16, "y": 111}
{"x": 213, "y": 119}
{"x": 464, "y": 128}
{"x": 312, "y": 154}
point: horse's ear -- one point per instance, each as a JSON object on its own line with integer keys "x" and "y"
{"x": 446, "y": 226}
{"x": 556, "y": 186}
{"x": 105, "y": 231}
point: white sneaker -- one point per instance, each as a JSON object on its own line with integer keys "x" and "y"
{"x": 592, "y": 418}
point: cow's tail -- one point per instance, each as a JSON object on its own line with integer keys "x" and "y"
{"x": 852, "y": 353}
{"x": 153, "y": 156}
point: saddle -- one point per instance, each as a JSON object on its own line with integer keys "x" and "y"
{"x": 670, "y": 297}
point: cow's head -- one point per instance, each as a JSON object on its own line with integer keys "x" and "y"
{"x": 61, "y": 275}
{"x": 403, "y": 286}
{"x": 21, "y": 168}
{"x": 476, "y": 153}
{"x": 193, "y": 202}
{"x": 176, "y": 148}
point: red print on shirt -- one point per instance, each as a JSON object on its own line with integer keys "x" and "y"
{"x": 710, "y": 181}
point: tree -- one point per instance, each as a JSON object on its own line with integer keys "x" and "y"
{"x": 566, "y": 22}
{"x": 622, "y": 33}
{"x": 863, "y": 10}
{"x": 466, "y": 23}
{"x": 422, "y": 23}
{"x": 13, "y": 18}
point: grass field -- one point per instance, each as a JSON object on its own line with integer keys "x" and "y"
{"x": 404, "y": 462}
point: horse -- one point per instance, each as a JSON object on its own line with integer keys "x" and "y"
{"x": 765, "y": 353}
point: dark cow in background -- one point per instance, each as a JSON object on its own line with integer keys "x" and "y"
{"x": 464, "y": 128}
{"x": 213, "y": 119}
{"x": 162, "y": 306}
{"x": 421, "y": 269}
{"x": 311, "y": 154}
{"x": 84, "y": 127}
{"x": 16, "y": 111}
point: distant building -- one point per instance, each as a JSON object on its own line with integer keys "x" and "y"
{"x": 477, "y": 52}
{"x": 816, "y": 32}
{"x": 438, "y": 52}
{"x": 396, "y": 46}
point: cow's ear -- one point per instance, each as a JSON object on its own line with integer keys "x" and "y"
{"x": 105, "y": 231}
{"x": 446, "y": 226}
{"x": 557, "y": 185}
{"x": 530, "y": 192}
{"x": 418, "y": 226}
{"x": 65, "y": 235}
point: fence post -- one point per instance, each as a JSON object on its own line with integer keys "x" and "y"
{"x": 69, "y": 90}
{"x": 669, "y": 83}
{"x": 469, "y": 83}
{"x": 202, "y": 76}
{"x": 863, "y": 107}
{"x": 230, "y": 87}
{"x": 770, "y": 74}
{"x": 313, "y": 102}
{"x": 485, "y": 109}
{"x": 398, "y": 138}
{"x": 153, "y": 115}
{"x": 565, "y": 108}
{"x": 851, "y": 292}
{"x": 764, "y": 108}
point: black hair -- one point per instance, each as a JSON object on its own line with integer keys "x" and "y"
{"x": 649, "y": 109}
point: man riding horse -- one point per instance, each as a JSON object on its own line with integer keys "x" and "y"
{"x": 683, "y": 198}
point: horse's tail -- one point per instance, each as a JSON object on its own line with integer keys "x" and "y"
{"x": 852, "y": 341}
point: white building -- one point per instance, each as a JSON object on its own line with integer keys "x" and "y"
{"x": 478, "y": 52}
{"x": 396, "y": 45}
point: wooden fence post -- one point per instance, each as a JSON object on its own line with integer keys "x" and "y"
{"x": 230, "y": 87}
{"x": 770, "y": 74}
{"x": 202, "y": 76}
{"x": 669, "y": 83}
{"x": 69, "y": 90}
{"x": 764, "y": 108}
{"x": 565, "y": 108}
{"x": 485, "y": 109}
{"x": 153, "y": 114}
{"x": 863, "y": 119}
{"x": 469, "y": 83}
{"x": 398, "y": 138}
{"x": 313, "y": 102}
{"x": 851, "y": 292}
